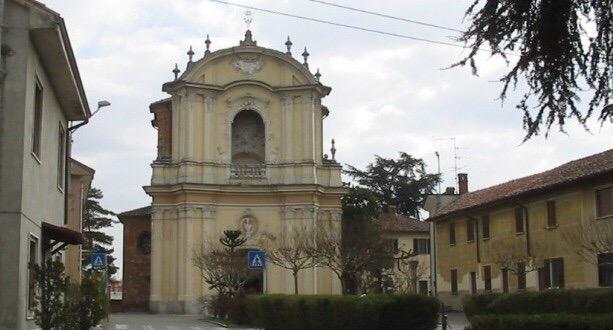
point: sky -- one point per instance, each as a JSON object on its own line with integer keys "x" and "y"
{"x": 389, "y": 94}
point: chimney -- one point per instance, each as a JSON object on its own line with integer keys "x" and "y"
{"x": 462, "y": 183}
{"x": 450, "y": 191}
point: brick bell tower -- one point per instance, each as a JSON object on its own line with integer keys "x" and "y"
{"x": 239, "y": 147}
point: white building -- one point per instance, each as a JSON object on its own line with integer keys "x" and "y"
{"x": 40, "y": 93}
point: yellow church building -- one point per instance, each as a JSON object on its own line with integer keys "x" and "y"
{"x": 240, "y": 146}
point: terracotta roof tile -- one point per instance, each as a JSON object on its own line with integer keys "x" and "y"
{"x": 401, "y": 223}
{"x": 143, "y": 211}
{"x": 597, "y": 165}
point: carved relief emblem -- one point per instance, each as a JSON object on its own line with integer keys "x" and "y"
{"x": 248, "y": 66}
{"x": 248, "y": 225}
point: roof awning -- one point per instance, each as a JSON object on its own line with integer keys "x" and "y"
{"x": 62, "y": 234}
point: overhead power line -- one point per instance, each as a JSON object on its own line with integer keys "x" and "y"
{"x": 355, "y": 27}
{"x": 386, "y": 16}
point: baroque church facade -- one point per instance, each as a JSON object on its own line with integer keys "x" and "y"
{"x": 240, "y": 146}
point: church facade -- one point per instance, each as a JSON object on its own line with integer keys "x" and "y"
{"x": 240, "y": 146}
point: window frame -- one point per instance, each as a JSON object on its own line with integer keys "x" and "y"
{"x": 454, "y": 282}
{"x": 416, "y": 242}
{"x": 596, "y": 204}
{"x": 521, "y": 276}
{"x": 604, "y": 268}
{"x": 470, "y": 230}
{"x": 520, "y": 212}
{"x": 37, "y": 119}
{"x": 61, "y": 158}
{"x": 30, "y": 287}
{"x": 487, "y": 280}
{"x": 485, "y": 220}
{"x": 504, "y": 274}
{"x": 452, "y": 233}
{"x": 473, "y": 282}
{"x": 552, "y": 216}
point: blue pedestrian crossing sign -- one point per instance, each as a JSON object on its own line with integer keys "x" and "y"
{"x": 256, "y": 260}
{"x": 98, "y": 260}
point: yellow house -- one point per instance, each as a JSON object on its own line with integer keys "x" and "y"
{"x": 412, "y": 236}
{"x": 239, "y": 147}
{"x": 522, "y": 234}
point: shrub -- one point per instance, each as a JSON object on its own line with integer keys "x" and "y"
{"x": 586, "y": 301}
{"x": 340, "y": 312}
{"x": 542, "y": 322}
{"x": 478, "y": 304}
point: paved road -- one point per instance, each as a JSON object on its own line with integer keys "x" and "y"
{"x": 134, "y": 321}
{"x": 456, "y": 321}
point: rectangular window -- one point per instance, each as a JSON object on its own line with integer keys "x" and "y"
{"x": 604, "y": 202}
{"x": 392, "y": 245}
{"x": 423, "y": 287}
{"x": 38, "y": 118}
{"x": 452, "y": 233}
{"x": 32, "y": 260}
{"x": 519, "y": 220}
{"x": 487, "y": 278}
{"x": 505, "y": 280}
{"x": 552, "y": 221}
{"x": 61, "y": 157}
{"x": 485, "y": 226}
{"x": 473, "y": 282}
{"x": 605, "y": 269}
{"x": 454, "y": 281}
{"x": 521, "y": 276}
{"x": 421, "y": 245}
{"x": 552, "y": 274}
{"x": 470, "y": 229}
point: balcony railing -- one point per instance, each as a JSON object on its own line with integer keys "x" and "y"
{"x": 248, "y": 171}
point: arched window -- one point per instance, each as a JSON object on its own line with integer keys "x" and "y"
{"x": 248, "y": 140}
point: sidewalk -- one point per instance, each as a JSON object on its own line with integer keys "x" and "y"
{"x": 456, "y": 321}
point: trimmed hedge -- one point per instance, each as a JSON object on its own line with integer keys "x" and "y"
{"x": 542, "y": 322}
{"x": 478, "y": 304}
{"x": 585, "y": 301}
{"x": 306, "y": 312}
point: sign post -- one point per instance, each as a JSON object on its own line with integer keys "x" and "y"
{"x": 98, "y": 260}
{"x": 256, "y": 260}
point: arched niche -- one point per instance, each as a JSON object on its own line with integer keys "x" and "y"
{"x": 248, "y": 138}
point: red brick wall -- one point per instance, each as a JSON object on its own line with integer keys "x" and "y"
{"x": 136, "y": 265}
{"x": 163, "y": 118}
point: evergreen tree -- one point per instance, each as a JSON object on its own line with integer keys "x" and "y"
{"x": 96, "y": 218}
{"x": 401, "y": 182}
{"x": 559, "y": 47}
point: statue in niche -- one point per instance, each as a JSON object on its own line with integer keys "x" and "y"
{"x": 248, "y": 226}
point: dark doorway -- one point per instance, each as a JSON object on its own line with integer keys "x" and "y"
{"x": 254, "y": 284}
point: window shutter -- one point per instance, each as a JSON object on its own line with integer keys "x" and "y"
{"x": 551, "y": 214}
{"x": 547, "y": 274}
{"x": 560, "y": 271}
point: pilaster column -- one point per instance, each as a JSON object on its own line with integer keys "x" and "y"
{"x": 156, "y": 257}
{"x": 209, "y": 134}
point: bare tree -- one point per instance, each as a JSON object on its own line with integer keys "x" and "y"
{"x": 328, "y": 250}
{"x": 221, "y": 266}
{"x": 407, "y": 275}
{"x": 291, "y": 252}
{"x": 513, "y": 256}
{"x": 588, "y": 240}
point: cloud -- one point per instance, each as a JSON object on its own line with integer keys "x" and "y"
{"x": 389, "y": 94}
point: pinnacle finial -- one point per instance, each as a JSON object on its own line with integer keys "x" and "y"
{"x": 288, "y": 44}
{"x": 248, "y": 40}
{"x": 207, "y": 42}
{"x": 190, "y": 53}
{"x": 305, "y": 54}
{"x": 333, "y": 150}
{"x": 317, "y": 74}
{"x": 176, "y": 71}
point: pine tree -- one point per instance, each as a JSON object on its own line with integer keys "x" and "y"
{"x": 96, "y": 218}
